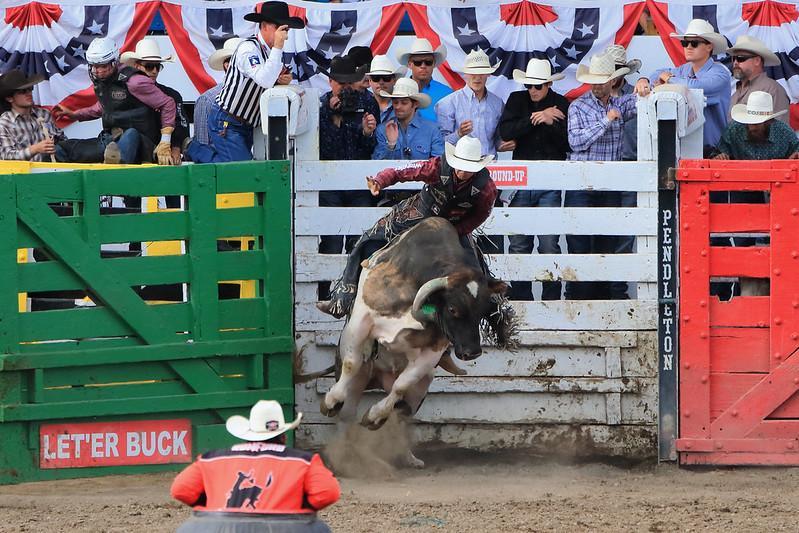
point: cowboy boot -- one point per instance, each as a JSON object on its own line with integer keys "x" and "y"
{"x": 112, "y": 155}
{"x": 342, "y": 298}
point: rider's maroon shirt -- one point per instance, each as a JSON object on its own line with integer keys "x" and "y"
{"x": 257, "y": 477}
{"x": 430, "y": 172}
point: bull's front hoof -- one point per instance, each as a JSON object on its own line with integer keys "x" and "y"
{"x": 330, "y": 411}
{"x": 372, "y": 425}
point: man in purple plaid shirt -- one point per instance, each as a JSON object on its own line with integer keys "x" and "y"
{"x": 595, "y": 125}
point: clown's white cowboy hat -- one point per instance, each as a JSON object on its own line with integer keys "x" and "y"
{"x": 753, "y": 45}
{"x": 466, "y": 155}
{"x": 423, "y": 47}
{"x": 382, "y": 66}
{"x": 147, "y": 50}
{"x": 539, "y": 71}
{"x": 266, "y": 421}
{"x": 619, "y": 55}
{"x": 703, "y": 30}
{"x": 478, "y": 62}
{"x": 217, "y": 60}
{"x": 408, "y": 88}
{"x": 759, "y": 108}
{"x": 601, "y": 69}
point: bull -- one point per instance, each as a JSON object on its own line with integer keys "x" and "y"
{"x": 417, "y": 297}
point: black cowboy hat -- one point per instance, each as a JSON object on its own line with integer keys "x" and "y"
{"x": 15, "y": 80}
{"x": 277, "y": 13}
{"x": 362, "y": 55}
{"x": 344, "y": 69}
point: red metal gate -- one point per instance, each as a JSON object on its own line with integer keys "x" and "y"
{"x": 739, "y": 372}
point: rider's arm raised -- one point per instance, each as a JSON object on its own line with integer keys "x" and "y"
{"x": 428, "y": 172}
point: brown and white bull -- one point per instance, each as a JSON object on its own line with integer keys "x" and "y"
{"x": 416, "y": 297}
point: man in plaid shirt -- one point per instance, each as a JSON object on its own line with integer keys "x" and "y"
{"x": 595, "y": 125}
{"x": 27, "y": 132}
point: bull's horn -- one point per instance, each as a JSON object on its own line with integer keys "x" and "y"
{"x": 423, "y": 294}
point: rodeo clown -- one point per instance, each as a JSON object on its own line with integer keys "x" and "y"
{"x": 457, "y": 187}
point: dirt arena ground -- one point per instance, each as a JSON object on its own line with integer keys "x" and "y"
{"x": 476, "y": 493}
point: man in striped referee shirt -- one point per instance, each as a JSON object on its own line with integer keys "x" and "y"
{"x": 256, "y": 65}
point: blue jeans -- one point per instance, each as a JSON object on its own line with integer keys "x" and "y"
{"x": 231, "y": 140}
{"x": 128, "y": 145}
{"x": 523, "y": 244}
{"x": 91, "y": 150}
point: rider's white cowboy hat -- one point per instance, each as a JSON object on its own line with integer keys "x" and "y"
{"x": 703, "y": 30}
{"x": 146, "y": 50}
{"x": 478, "y": 62}
{"x": 759, "y": 108}
{"x": 423, "y": 47}
{"x": 601, "y": 69}
{"x": 466, "y": 155}
{"x": 382, "y": 66}
{"x": 408, "y": 88}
{"x": 753, "y": 45}
{"x": 217, "y": 60}
{"x": 619, "y": 55}
{"x": 539, "y": 71}
{"x": 266, "y": 421}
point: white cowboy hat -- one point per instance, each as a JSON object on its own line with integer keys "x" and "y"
{"x": 601, "y": 70}
{"x": 746, "y": 43}
{"x": 466, "y": 155}
{"x": 382, "y": 66}
{"x": 146, "y": 50}
{"x": 478, "y": 62}
{"x": 619, "y": 55}
{"x": 759, "y": 108}
{"x": 703, "y": 29}
{"x": 266, "y": 421}
{"x": 538, "y": 71}
{"x": 217, "y": 60}
{"x": 423, "y": 46}
{"x": 408, "y": 88}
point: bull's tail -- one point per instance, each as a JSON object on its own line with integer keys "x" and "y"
{"x": 501, "y": 327}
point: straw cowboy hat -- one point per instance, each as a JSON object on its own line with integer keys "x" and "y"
{"x": 381, "y": 66}
{"x": 276, "y": 13}
{"x": 753, "y": 45}
{"x": 423, "y": 47}
{"x": 266, "y": 421}
{"x": 466, "y": 155}
{"x": 408, "y": 88}
{"x": 539, "y": 71}
{"x": 759, "y": 108}
{"x": 601, "y": 70}
{"x": 15, "y": 80}
{"x": 217, "y": 60}
{"x": 703, "y": 30}
{"x": 619, "y": 55}
{"x": 146, "y": 50}
{"x": 478, "y": 62}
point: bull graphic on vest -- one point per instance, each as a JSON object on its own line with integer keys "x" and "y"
{"x": 249, "y": 494}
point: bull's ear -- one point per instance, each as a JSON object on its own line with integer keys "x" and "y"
{"x": 497, "y": 286}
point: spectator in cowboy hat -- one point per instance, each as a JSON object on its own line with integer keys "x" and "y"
{"x": 535, "y": 118}
{"x": 256, "y": 65}
{"x": 595, "y": 125}
{"x": 27, "y": 131}
{"x": 755, "y": 134}
{"x": 220, "y": 61}
{"x": 147, "y": 58}
{"x": 750, "y": 56}
{"x": 259, "y": 484}
{"x": 421, "y": 59}
{"x": 700, "y": 42}
{"x": 362, "y": 56}
{"x": 474, "y": 110}
{"x": 382, "y": 76}
{"x": 408, "y": 135}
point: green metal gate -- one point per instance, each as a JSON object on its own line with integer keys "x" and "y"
{"x": 126, "y": 359}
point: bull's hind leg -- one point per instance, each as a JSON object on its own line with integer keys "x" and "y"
{"x": 354, "y": 341}
{"x": 419, "y": 370}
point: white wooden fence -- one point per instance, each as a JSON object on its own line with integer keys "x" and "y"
{"x": 585, "y": 378}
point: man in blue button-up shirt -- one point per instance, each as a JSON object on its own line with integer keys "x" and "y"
{"x": 699, "y": 71}
{"x": 421, "y": 60}
{"x": 408, "y": 135}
